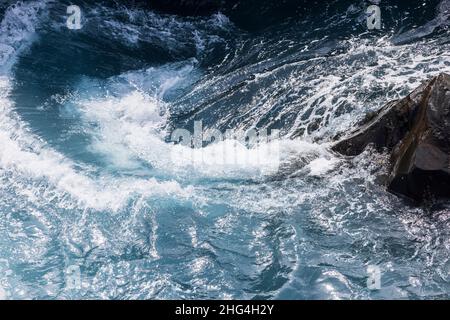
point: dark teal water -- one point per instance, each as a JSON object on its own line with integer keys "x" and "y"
{"x": 90, "y": 181}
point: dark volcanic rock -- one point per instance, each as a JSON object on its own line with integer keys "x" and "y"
{"x": 416, "y": 133}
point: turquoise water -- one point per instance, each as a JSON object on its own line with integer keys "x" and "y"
{"x": 91, "y": 182}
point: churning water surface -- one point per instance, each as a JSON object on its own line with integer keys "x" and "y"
{"x": 90, "y": 181}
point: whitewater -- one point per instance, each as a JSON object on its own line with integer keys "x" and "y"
{"x": 91, "y": 181}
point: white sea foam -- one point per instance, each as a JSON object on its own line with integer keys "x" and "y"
{"x": 378, "y": 66}
{"x": 29, "y": 158}
{"x": 130, "y": 128}
{"x": 330, "y": 93}
{"x": 17, "y": 29}
{"x": 321, "y": 166}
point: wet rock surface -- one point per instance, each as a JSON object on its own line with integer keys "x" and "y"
{"x": 415, "y": 131}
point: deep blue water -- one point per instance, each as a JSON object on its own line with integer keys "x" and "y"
{"x": 90, "y": 181}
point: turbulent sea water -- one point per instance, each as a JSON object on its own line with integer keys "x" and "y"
{"x": 88, "y": 176}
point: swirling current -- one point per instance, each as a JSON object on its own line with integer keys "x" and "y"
{"x": 91, "y": 183}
